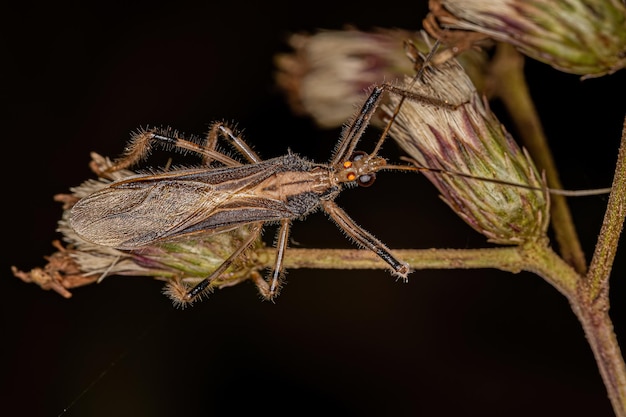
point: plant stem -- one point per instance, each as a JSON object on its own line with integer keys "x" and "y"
{"x": 598, "y": 328}
{"x": 506, "y": 259}
{"x": 535, "y": 257}
{"x": 592, "y": 307}
{"x": 597, "y": 279}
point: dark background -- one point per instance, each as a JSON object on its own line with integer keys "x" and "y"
{"x": 80, "y": 78}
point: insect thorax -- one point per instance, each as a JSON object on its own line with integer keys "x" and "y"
{"x": 300, "y": 184}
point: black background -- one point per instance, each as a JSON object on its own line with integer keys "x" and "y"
{"x": 80, "y": 78}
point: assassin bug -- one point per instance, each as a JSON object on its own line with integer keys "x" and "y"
{"x": 147, "y": 209}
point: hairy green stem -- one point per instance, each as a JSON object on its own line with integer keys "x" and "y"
{"x": 592, "y": 308}
{"x": 506, "y": 258}
{"x": 597, "y": 279}
{"x": 598, "y": 328}
{"x": 535, "y": 257}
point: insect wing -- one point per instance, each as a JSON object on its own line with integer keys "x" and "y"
{"x": 140, "y": 210}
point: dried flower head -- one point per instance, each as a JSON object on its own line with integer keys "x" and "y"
{"x": 329, "y": 71}
{"x": 181, "y": 262}
{"x": 586, "y": 37}
{"x": 468, "y": 139}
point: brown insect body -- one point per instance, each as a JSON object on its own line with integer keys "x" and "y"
{"x": 125, "y": 215}
{"x": 143, "y": 209}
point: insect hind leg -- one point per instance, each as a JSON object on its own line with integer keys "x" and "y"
{"x": 142, "y": 141}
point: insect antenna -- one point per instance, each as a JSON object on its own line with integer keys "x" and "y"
{"x": 556, "y": 191}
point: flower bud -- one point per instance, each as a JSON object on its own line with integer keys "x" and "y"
{"x": 586, "y": 37}
{"x": 480, "y": 171}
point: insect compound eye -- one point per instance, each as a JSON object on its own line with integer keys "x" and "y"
{"x": 366, "y": 180}
{"x": 358, "y": 155}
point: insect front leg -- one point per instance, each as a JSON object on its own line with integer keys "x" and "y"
{"x": 365, "y": 239}
{"x": 353, "y": 132}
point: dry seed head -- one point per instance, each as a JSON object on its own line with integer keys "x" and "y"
{"x": 586, "y": 37}
{"x": 469, "y": 139}
{"x": 181, "y": 262}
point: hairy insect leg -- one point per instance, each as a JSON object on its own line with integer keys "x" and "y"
{"x": 142, "y": 141}
{"x": 365, "y": 239}
{"x": 201, "y": 287}
{"x": 351, "y": 135}
{"x": 235, "y": 139}
{"x": 269, "y": 289}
